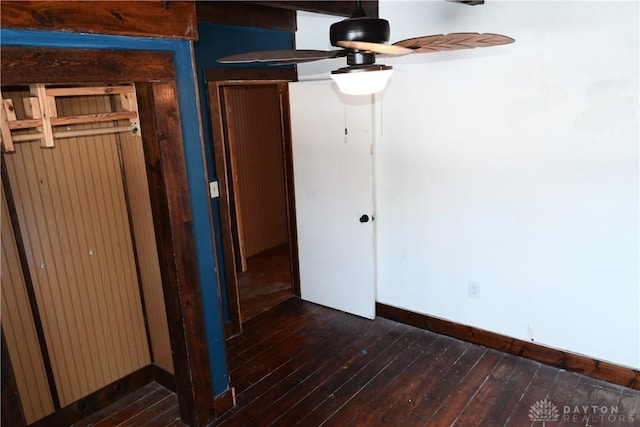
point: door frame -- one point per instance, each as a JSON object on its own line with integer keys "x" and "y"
{"x": 216, "y": 79}
{"x": 154, "y": 75}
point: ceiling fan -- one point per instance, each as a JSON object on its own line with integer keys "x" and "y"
{"x": 362, "y": 39}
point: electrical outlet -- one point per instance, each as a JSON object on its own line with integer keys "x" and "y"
{"x": 474, "y": 290}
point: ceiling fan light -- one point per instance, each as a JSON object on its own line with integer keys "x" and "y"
{"x": 362, "y": 80}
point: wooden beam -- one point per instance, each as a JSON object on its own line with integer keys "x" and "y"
{"x": 172, "y": 19}
{"x": 246, "y": 15}
{"x": 232, "y": 74}
{"x": 166, "y": 173}
{"x": 47, "y": 113}
{"x": 7, "y": 113}
{"x": 339, "y": 8}
{"x": 28, "y": 65}
{"x": 74, "y": 133}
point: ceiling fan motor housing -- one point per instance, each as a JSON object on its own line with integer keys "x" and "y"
{"x": 364, "y": 29}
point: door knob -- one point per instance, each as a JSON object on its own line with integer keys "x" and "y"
{"x": 364, "y": 218}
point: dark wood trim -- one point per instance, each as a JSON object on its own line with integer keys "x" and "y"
{"x": 24, "y": 66}
{"x": 166, "y": 173}
{"x": 235, "y": 210}
{"x": 11, "y": 408}
{"x": 241, "y": 74}
{"x": 225, "y": 401}
{"x": 339, "y": 8}
{"x": 594, "y": 368}
{"x": 162, "y": 377}
{"x": 101, "y": 398}
{"x": 287, "y": 150}
{"x": 171, "y": 19}
{"x": 234, "y": 325}
{"x": 28, "y": 281}
{"x": 230, "y": 329}
{"x": 246, "y": 15}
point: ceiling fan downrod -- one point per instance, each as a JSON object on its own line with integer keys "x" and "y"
{"x": 360, "y": 27}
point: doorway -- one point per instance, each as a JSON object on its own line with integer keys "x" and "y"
{"x": 252, "y": 151}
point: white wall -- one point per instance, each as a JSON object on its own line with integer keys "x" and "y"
{"x": 516, "y": 168}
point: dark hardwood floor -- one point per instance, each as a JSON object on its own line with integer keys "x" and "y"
{"x": 151, "y": 405}
{"x": 266, "y": 282}
{"x": 302, "y": 364}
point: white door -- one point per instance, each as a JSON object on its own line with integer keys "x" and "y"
{"x": 332, "y": 138}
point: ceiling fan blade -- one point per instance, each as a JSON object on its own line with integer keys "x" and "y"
{"x": 468, "y": 2}
{"x": 386, "y": 49}
{"x": 453, "y": 41}
{"x": 287, "y": 56}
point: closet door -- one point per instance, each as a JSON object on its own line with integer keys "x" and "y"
{"x": 72, "y": 215}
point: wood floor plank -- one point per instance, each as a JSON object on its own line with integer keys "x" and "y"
{"x": 354, "y": 353}
{"x": 346, "y": 391}
{"x": 348, "y": 413}
{"x": 341, "y": 345}
{"x": 169, "y": 417}
{"x": 271, "y": 321}
{"x": 449, "y": 409}
{"x": 431, "y": 369}
{"x": 345, "y": 372}
{"x": 255, "y": 349}
{"x": 436, "y": 387}
{"x": 498, "y": 413}
{"x": 144, "y": 418}
{"x": 151, "y": 405}
{"x": 299, "y": 347}
{"x": 486, "y": 396}
{"x": 132, "y": 410}
{"x": 592, "y": 404}
{"x": 266, "y": 282}
{"x": 172, "y": 419}
{"x": 129, "y": 400}
{"x": 629, "y": 407}
{"x": 401, "y": 388}
{"x": 537, "y": 390}
{"x": 282, "y": 361}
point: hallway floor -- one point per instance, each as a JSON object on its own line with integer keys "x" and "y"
{"x": 266, "y": 283}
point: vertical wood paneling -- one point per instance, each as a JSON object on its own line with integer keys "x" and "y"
{"x": 73, "y": 218}
{"x": 255, "y": 139}
{"x": 19, "y": 328}
{"x": 142, "y": 219}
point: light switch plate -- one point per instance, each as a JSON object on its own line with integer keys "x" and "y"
{"x": 214, "y": 190}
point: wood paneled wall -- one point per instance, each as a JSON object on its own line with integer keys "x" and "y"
{"x": 145, "y": 242}
{"x": 19, "y": 328}
{"x": 74, "y": 217}
{"x": 256, "y": 148}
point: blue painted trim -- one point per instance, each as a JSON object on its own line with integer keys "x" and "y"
{"x": 196, "y": 177}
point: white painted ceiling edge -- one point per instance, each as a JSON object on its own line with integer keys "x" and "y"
{"x": 515, "y": 168}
